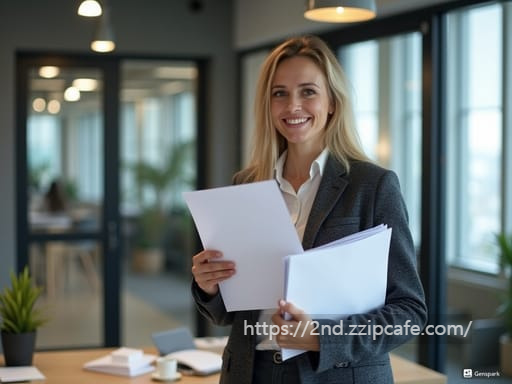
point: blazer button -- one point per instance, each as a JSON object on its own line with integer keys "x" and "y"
{"x": 343, "y": 364}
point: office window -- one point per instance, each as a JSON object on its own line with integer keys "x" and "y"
{"x": 360, "y": 62}
{"x": 474, "y": 135}
{"x": 385, "y": 75}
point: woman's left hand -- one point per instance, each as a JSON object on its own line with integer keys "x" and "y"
{"x": 299, "y": 332}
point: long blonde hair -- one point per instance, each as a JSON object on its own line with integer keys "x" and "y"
{"x": 341, "y": 137}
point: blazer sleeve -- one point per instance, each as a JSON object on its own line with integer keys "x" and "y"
{"x": 212, "y": 308}
{"x": 405, "y": 302}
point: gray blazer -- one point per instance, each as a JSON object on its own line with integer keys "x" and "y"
{"x": 345, "y": 203}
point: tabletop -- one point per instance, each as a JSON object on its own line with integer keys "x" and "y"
{"x": 64, "y": 367}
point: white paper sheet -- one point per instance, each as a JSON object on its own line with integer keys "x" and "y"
{"x": 106, "y": 364}
{"x": 250, "y": 225}
{"x": 18, "y": 374}
{"x": 348, "y": 276}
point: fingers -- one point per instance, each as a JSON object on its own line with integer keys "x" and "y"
{"x": 298, "y": 330}
{"x": 208, "y": 272}
{"x": 206, "y": 256}
{"x": 295, "y": 313}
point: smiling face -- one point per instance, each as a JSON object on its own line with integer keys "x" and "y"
{"x": 300, "y": 103}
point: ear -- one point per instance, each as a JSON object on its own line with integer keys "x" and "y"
{"x": 331, "y": 108}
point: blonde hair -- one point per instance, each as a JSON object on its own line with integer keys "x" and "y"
{"x": 341, "y": 137}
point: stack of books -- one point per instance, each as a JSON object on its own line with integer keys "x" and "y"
{"x": 124, "y": 362}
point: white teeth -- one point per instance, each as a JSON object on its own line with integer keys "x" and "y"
{"x": 296, "y": 121}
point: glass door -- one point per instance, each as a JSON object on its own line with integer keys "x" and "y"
{"x": 67, "y": 232}
{"x": 106, "y": 146}
{"x": 158, "y": 136}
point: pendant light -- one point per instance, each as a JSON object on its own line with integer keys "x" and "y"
{"x": 340, "y": 11}
{"x": 104, "y": 37}
{"x": 89, "y": 8}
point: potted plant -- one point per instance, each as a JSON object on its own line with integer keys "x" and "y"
{"x": 505, "y": 310}
{"x": 152, "y": 222}
{"x": 20, "y": 319}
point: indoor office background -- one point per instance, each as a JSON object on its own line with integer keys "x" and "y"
{"x": 171, "y": 110}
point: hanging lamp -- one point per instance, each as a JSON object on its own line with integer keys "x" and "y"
{"x": 340, "y": 11}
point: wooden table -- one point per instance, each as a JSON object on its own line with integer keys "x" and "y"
{"x": 408, "y": 372}
{"x": 65, "y": 367}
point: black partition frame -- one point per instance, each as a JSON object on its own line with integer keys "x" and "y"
{"x": 109, "y": 233}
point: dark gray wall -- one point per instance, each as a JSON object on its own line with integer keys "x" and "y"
{"x": 153, "y": 27}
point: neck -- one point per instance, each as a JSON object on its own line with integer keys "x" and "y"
{"x": 298, "y": 164}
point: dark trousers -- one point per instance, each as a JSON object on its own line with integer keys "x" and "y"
{"x": 269, "y": 369}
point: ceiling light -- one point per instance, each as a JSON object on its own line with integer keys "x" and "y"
{"x": 89, "y": 8}
{"x": 175, "y": 72}
{"x": 72, "y": 94}
{"x": 85, "y": 84}
{"x": 39, "y": 104}
{"x": 104, "y": 38}
{"x": 49, "y": 71}
{"x": 340, "y": 11}
{"x": 53, "y": 106}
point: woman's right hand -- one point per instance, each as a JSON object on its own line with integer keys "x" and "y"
{"x": 208, "y": 271}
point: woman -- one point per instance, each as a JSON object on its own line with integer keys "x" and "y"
{"x": 305, "y": 138}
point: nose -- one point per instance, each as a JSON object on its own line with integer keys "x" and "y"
{"x": 294, "y": 104}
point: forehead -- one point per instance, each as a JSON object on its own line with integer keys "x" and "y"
{"x": 298, "y": 68}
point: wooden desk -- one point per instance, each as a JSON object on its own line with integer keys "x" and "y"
{"x": 65, "y": 367}
{"x": 408, "y": 372}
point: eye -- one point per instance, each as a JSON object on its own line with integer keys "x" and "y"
{"x": 278, "y": 93}
{"x": 308, "y": 92}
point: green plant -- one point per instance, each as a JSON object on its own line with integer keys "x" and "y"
{"x": 17, "y": 305}
{"x": 151, "y": 226}
{"x": 505, "y": 246}
{"x": 152, "y": 221}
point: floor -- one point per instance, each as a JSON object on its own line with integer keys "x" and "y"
{"x": 150, "y": 303}
{"x": 159, "y": 302}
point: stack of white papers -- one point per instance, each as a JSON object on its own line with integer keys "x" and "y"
{"x": 124, "y": 362}
{"x": 18, "y": 374}
{"x": 342, "y": 278}
{"x": 250, "y": 225}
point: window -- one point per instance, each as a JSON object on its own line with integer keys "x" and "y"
{"x": 386, "y": 78}
{"x": 474, "y": 121}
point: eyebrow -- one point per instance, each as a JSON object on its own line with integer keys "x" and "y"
{"x": 300, "y": 85}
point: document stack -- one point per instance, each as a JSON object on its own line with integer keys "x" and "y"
{"x": 124, "y": 362}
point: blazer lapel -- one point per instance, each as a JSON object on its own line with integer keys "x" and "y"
{"x": 331, "y": 187}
